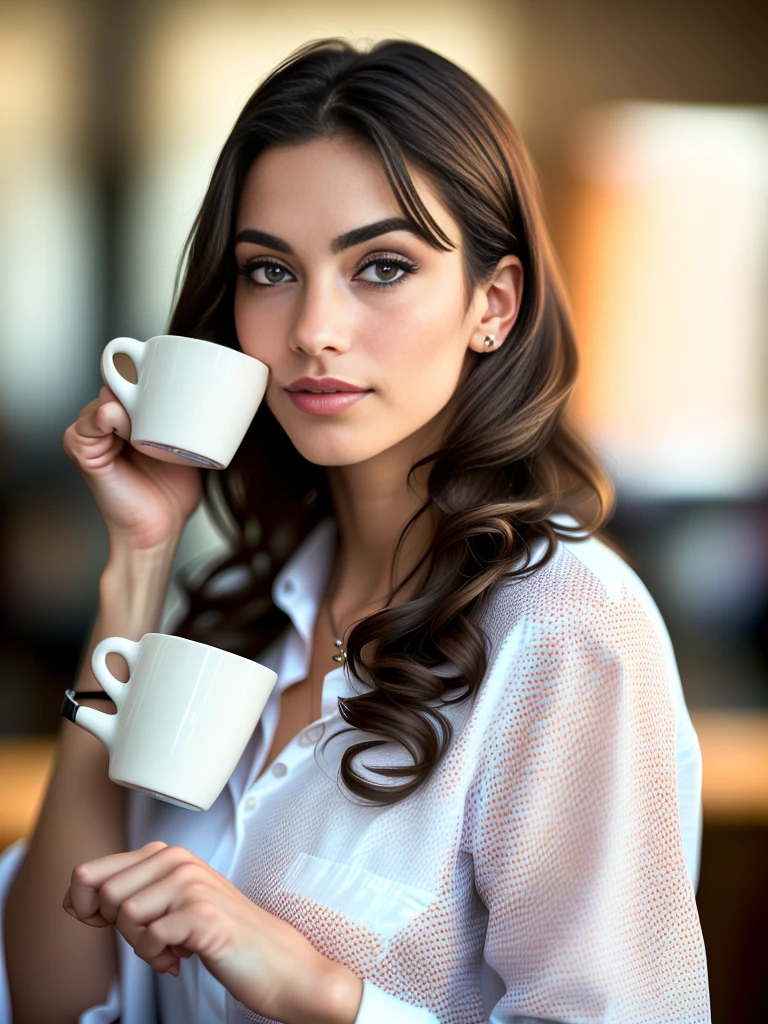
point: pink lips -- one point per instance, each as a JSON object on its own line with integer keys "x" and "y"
{"x": 326, "y": 405}
{"x": 323, "y": 384}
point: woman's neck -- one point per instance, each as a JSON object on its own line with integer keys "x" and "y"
{"x": 370, "y": 514}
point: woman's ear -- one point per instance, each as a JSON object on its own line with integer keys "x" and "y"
{"x": 503, "y": 295}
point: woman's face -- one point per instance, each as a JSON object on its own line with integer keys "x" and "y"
{"x": 385, "y": 314}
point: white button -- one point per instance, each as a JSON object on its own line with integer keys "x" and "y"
{"x": 250, "y": 803}
{"x": 312, "y": 734}
{"x": 279, "y": 769}
{"x": 288, "y": 585}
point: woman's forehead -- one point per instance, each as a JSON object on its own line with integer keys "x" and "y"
{"x": 324, "y": 167}
{"x": 340, "y": 182}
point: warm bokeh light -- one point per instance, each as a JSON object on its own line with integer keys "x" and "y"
{"x": 668, "y": 255}
{"x": 49, "y": 282}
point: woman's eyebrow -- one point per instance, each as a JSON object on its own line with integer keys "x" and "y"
{"x": 354, "y": 237}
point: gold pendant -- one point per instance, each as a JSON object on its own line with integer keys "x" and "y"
{"x": 343, "y": 655}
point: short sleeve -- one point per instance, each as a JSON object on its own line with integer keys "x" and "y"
{"x": 574, "y": 829}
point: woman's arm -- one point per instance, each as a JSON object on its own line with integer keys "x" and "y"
{"x": 576, "y": 830}
{"x": 56, "y": 968}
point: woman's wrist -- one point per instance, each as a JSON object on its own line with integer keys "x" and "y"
{"x": 129, "y": 568}
{"x": 126, "y": 558}
{"x": 133, "y": 585}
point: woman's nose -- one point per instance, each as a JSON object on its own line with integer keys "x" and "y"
{"x": 323, "y": 320}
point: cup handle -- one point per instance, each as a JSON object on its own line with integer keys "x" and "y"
{"x": 101, "y": 725}
{"x": 114, "y": 645}
{"x": 126, "y": 391}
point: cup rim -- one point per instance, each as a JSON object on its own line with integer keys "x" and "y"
{"x": 199, "y": 643}
{"x": 202, "y": 341}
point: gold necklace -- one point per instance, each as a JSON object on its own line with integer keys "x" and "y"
{"x": 341, "y": 651}
{"x": 336, "y": 657}
{"x": 338, "y": 643}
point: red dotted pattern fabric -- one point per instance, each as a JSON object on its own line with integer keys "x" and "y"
{"x": 545, "y": 848}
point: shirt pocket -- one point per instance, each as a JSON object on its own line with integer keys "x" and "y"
{"x": 379, "y": 903}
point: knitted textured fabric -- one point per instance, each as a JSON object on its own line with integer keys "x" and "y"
{"x": 547, "y": 843}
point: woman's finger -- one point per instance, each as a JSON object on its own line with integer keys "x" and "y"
{"x": 147, "y": 902}
{"x": 97, "y": 452}
{"x": 142, "y": 911}
{"x": 89, "y": 876}
{"x": 106, "y": 417}
{"x": 184, "y": 927}
{"x": 181, "y": 952}
{"x": 150, "y": 886}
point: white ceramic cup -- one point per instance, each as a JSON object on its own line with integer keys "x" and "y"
{"x": 194, "y": 400}
{"x": 183, "y": 718}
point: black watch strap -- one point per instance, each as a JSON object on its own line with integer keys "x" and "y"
{"x": 70, "y": 706}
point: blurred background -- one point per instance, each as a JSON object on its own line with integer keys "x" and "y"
{"x": 648, "y": 123}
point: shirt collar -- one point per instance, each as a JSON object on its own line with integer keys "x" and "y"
{"x": 299, "y": 586}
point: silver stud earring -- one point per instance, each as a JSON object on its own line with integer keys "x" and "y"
{"x": 489, "y": 340}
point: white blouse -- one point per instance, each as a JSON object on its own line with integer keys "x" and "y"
{"x": 547, "y": 869}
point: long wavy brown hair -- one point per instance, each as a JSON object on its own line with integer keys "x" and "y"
{"x": 510, "y": 457}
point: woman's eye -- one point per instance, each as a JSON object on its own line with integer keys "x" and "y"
{"x": 384, "y": 273}
{"x": 387, "y": 272}
{"x": 264, "y": 273}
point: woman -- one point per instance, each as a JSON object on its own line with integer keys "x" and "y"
{"x": 424, "y": 560}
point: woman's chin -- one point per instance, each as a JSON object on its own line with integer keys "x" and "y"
{"x": 327, "y": 452}
{"x": 324, "y": 457}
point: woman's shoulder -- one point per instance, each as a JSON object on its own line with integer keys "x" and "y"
{"x": 585, "y": 607}
{"x": 584, "y": 581}
{"x": 585, "y": 617}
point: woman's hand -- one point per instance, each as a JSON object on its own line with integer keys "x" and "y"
{"x": 168, "y": 904}
{"x": 144, "y": 502}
